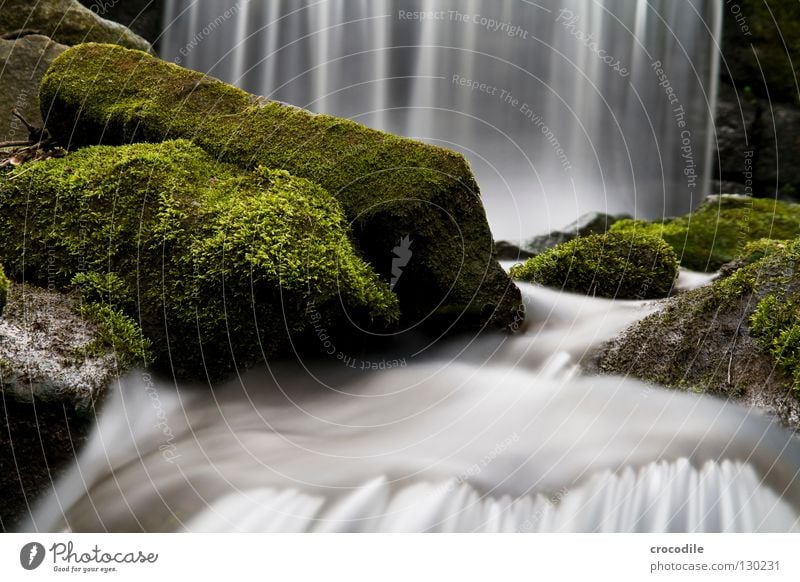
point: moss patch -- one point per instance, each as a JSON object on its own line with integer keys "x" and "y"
{"x": 720, "y": 229}
{"x": 217, "y": 265}
{"x": 390, "y": 188}
{"x": 608, "y": 265}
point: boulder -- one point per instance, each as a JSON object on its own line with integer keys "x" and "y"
{"x": 737, "y": 338}
{"x": 66, "y": 22}
{"x": 221, "y": 267}
{"x": 607, "y": 265}
{"x": 589, "y": 223}
{"x": 415, "y": 209}
{"x": 22, "y": 65}
{"x": 718, "y": 231}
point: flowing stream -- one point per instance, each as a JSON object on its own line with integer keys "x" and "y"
{"x": 562, "y": 107}
{"x": 485, "y": 433}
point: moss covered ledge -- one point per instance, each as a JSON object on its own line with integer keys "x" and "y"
{"x": 738, "y": 338}
{"x": 391, "y": 188}
{"x": 219, "y": 266}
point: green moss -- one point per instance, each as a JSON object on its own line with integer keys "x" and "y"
{"x": 217, "y": 265}
{"x": 775, "y": 325}
{"x": 4, "y": 284}
{"x": 118, "y": 332}
{"x": 389, "y": 187}
{"x": 720, "y": 229}
{"x": 609, "y": 265}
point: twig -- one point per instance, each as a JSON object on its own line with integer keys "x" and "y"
{"x": 15, "y": 144}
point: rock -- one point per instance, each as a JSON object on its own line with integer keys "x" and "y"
{"x": 215, "y": 262}
{"x": 589, "y": 223}
{"x": 22, "y": 64}
{"x": 37, "y": 444}
{"x": 608, "y": 265}
{"x": 736, "y": 338}
{"x": 50, "y": 353}
{"x": 757, "y": 143}
{"x": 507, "y": 251}
{"x": 415, "y": 208}
{"x": 4, "y": 284}
{"x": 144, "y": 17}
{"x": 66, "y": 22}
{"x": 717, "y": 232}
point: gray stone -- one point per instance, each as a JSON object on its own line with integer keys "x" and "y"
{"x": 589, "y": 223}
{"x": 66, "y": 22}
{"x": 22, "y": 64}
{"x": 48, "y": 353}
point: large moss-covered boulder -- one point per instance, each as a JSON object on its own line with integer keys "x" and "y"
{"x": 22, "y": 65}
{"x": 738, "y": 338}
{"x": 66, "y": 22}
{"x": 718, "y": 231}
{"x": 607, "y": 265}
{"x": 218, "y": 265}
{"x": 415, "y": 209}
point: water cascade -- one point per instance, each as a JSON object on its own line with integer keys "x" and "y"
{"x": 561, "y": 107}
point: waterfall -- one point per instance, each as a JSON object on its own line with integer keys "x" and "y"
{"x": 561, "y": 107}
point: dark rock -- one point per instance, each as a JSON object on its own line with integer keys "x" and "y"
{"x": 66, "y": 22}
{"x": 22, "y": 65}
{"x": 144, "y": 17}
{"x": 507, "y": 251}
{"x": 589, "y": 223}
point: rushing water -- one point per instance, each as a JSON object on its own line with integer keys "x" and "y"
{"x": 491, "y": 433}
{"x": 559, "y": 105}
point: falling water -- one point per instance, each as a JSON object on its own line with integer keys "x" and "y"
{"x": 573, "y": 115}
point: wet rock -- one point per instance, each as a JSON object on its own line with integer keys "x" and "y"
{"x": 736, "y": 338}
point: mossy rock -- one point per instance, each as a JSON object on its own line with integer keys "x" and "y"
{"x": 392, "y": 189}
{"x": 607, "y": 265}
{"x": 66, "y": 22}
{"x": 718, "y": 231}
{"x": 4, "y": 283}
{"x": 219, "y": 266}
{"x": 738, "y": 338}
